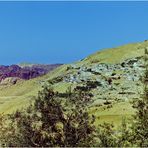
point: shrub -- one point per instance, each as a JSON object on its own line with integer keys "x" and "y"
{"x": 50, "y": 123}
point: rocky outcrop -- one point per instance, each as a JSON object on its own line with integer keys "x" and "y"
{"x": 10, "y": 81}
{"x": 108, "y": 81}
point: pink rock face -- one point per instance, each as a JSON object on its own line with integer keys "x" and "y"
{"x": 25, "y": 73}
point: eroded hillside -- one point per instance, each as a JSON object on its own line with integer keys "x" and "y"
{"x": 25, "y": 72}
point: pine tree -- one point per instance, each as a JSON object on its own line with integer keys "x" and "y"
{"x": 140, "y": 125}
{"x": 50, "y": 122}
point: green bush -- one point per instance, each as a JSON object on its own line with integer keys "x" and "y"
{"x": 50, "y": 123}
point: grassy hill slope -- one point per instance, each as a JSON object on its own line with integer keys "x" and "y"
{"x": 116, "y": 55}
{"x": 20, "y": 95}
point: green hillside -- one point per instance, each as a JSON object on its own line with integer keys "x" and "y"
{"x": 20, "y": 95}
{"x": 116, "y": 55}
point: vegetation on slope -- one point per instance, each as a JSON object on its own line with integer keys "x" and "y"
{"x": 116, "y": 55}
{"x": 50, "y": 122}
{"x": 67, "y": 119}
{"x": 21, "y": 95}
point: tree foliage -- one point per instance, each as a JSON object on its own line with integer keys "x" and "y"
{"x": 51, "y": 123}
{"x": 140, "y": 125}
{"x": 63, "y": 120}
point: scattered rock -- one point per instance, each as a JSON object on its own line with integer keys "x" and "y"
{"x": 107, "y": 80}
{"x": 10, "y": 81}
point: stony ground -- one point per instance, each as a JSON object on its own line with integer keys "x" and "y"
{"x": 106, "y": 81}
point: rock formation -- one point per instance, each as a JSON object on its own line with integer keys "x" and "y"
{"x": 15, "y": 72}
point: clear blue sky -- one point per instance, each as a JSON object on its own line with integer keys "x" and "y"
{"x": 63, "y": 32}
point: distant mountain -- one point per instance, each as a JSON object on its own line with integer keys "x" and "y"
{"x": 26, "y": 72}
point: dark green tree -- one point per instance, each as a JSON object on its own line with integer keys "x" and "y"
{"x": 52, "y": 121}
{"x": 140, "y": 124}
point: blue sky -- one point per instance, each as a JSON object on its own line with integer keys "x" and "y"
{"x": 63, "y": 32}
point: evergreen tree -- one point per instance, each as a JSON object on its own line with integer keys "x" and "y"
{"x": 140, "y": 125}
{"x": 51, "y": 123}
